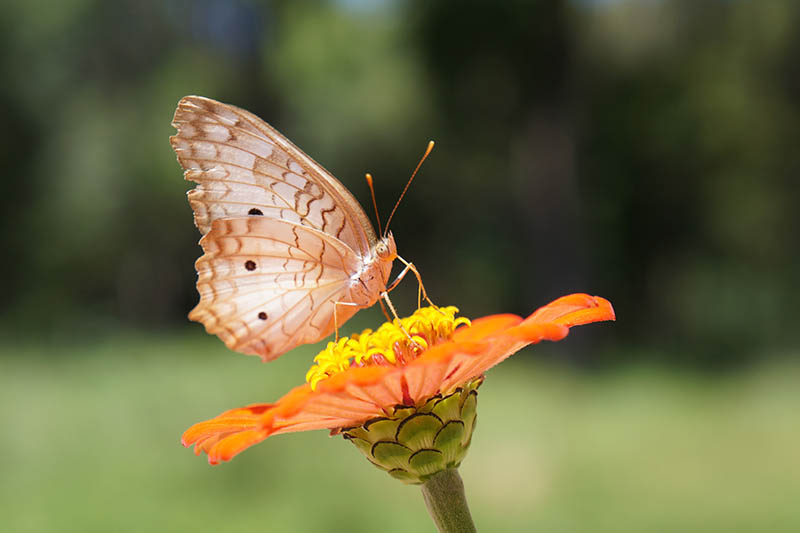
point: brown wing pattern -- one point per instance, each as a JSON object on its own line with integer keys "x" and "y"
{"x": 244, "y": 167}
{"x": 268, "y": 285}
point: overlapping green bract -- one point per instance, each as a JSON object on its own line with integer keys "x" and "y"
{"x": 417, "y": 442}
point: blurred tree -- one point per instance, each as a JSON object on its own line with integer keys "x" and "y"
{"x": 685, "y": 152}
{"x": 501, "y": 78}
{"x": 639, "y": 150}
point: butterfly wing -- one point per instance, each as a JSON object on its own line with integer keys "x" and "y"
{"x": 244, "y": 167}
{"x": 268, "y": 285}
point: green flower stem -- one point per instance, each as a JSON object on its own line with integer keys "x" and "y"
{"x": 447, "y": 504}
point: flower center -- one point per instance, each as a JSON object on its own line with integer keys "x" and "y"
{"x": 389, "y": 344}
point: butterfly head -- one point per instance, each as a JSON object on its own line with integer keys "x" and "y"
{"x": 386, "y": 249}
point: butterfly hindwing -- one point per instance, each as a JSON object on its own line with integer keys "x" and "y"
{"x": 268, "y": 285}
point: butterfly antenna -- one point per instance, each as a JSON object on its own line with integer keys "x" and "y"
{"x": 374, "y": 203}
{"x": 424, "y": 156}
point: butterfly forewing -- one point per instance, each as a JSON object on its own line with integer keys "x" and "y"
{"x": 244, "y": 167}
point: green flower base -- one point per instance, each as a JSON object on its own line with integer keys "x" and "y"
{"x": 417, "y": 442}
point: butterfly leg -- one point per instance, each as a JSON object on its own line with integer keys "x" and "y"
{"x": 421, "y": 292}
{"x": 336, "y": 318}
{"x": 385, "y": 296}
{"x": 383, "y": 309}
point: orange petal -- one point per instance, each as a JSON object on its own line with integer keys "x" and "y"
{"x": 211, "y": 433}
{"x": 574, "y": 310}
{"x": 483, "y": 327}
{"x": 228, "y": 447}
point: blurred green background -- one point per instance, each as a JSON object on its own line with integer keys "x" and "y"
{"x": 645, "y": 151}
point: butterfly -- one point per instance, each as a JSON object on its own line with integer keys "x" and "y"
{"x": 289, "y": 254}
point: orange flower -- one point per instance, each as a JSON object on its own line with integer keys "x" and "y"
{"x": 373, "y": 384}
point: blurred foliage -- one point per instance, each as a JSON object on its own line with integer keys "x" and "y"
{"x": 640, "y": 150}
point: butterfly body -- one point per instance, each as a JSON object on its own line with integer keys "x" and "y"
{"x": 288, "y": 252}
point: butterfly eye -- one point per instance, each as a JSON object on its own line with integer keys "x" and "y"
{"x": 381, "y": 249}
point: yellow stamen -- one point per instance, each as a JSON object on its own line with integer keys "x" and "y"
{"x": 388, "y": 345}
